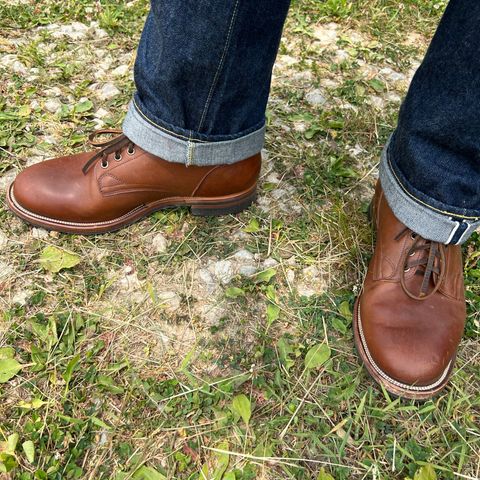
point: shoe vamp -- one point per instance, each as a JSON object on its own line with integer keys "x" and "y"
{"x": 58, "y": 189}
{"x": 412, "y": 340}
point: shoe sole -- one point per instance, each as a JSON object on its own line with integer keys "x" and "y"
{"x": 398, "y": 389}
{"x": 213, "y": 206}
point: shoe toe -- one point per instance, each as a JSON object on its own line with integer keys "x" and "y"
{"x": 28, "y": 190}
{"x": 405, "y": 351}
{"x": 48, "y": 189}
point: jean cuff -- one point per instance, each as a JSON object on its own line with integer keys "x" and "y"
{"x": 174, "y": 147}
{"x": 428, "y": 222}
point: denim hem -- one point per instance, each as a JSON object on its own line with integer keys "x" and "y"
{"x": 165, "y": 144}
{"x": 420, "y": 217}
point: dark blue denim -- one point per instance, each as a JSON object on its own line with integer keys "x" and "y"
{"x": 203, "y": 67}
{"x": 435, "y": 150}
{"x": 203, "y": 75}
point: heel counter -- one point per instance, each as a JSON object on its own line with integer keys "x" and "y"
{"x": 230, "y": 178}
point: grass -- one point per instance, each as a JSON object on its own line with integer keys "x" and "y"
{"x": 147, "y": 362}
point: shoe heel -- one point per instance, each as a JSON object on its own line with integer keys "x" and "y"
{"x": 228, "y": 207}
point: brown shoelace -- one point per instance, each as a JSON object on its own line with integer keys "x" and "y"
{"x": 115, "y": 144}
{"x": 431, "y": 265}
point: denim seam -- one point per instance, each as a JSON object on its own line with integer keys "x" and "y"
{"x": 190, "y": 151}
{"x": 455, "y": 215}
{"x": 220, "y": 66}
{"x": 163, "y": 128}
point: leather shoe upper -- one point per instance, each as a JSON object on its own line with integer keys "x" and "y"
{"x": 412, "y": 308}
{"x": 99, "y": 186}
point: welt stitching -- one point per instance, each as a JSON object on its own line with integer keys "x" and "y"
{"x": 220, "y": 65}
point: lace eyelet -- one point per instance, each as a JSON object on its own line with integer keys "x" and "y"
{"x": 132, "y": 151}
{"x": 104, "y": 164}
{"x": 117, "y": 158}
{"x": 413, "y": 235}
{"x": 407, "y": 270}
{"x": 412, "y": 254}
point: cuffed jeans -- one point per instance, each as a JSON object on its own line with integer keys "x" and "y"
{"x": 203, "y": 75}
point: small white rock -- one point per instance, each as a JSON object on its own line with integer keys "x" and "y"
{"x": 240, "y": 235}
{"x": 272, "y": 178}
{"x": 74, "y": 30}
{"x": 21, "y": 297}
{"x": 50, "y": 139}
{"x": 393, "y": 97}
{"x": 159, "y": 243}
{"x": 130, "y": 282}
{"x": 6, "y": 179}
{"x": 3, "y": 239}
{"x": 305, "y": 291}
{"x": 8, "y": 60}
{"x": 247, "y": 270}
{"x": 290, "y": 276}
{"x": 270, "y": 263}
{"x": 329, "y": 82}
{"x": 212, "y": 313}
{"x": 101, "y": 113}
{"x": 341, "y": 55}
{"x": 39, "y": 233}
{"x": 5, "y": 269}
{"x": 103, "y": 439}
{"x": 169, "y": 300}
{"x": 292, "y": 261}
{"x": 223, "y": 271}
{"x": 19, "y": 68}
{"x": 299, "y": 127}
{"x": 120, "y": 71}
{"x": 356, "y": 150}
{"x": 99, "y": 73}
{"x": 377, "y": 102}
{"x": 52, "y": 105}
{"x": 206, "y": 281}
{"x": 315, "y": 97}
{"x": 392, "y": 74}
{"x": 286, "y": 61}
{"x": 243, "y": 256}
{"x": 109, "y": 90}
{"x": 279, "y": 193}
{"x": 53, "y": 92}
{"x": 310, "y": 273}
{"x": 326, "y": 34}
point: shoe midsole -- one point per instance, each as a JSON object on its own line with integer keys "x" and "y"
{"x": 164, "y": 203}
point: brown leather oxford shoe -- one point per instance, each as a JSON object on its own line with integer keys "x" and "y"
{"x": 410, "y": 316}
{"x": 120, "y": 183}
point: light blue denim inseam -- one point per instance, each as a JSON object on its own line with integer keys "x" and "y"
{"x": 424, "y": 219}
{"x": 174, "y": 147}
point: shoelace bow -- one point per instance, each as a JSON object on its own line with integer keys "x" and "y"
{"x": 432, "y": 264}
{"x": 115, "y": 144}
